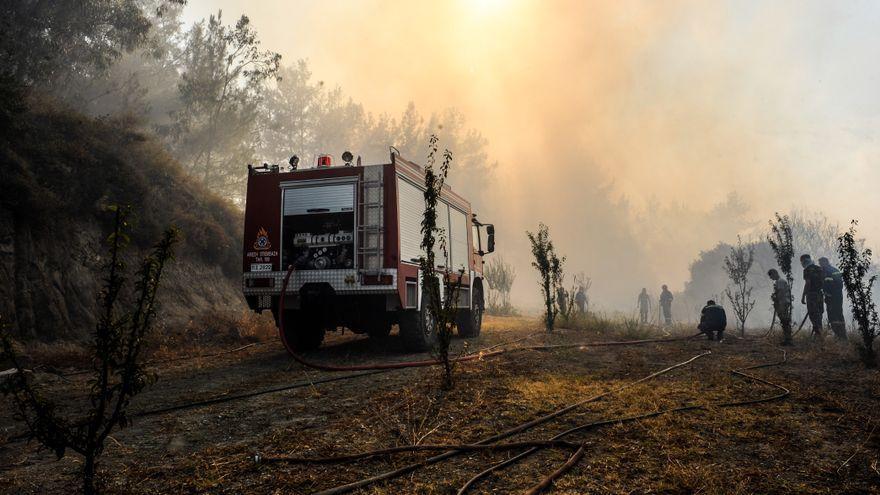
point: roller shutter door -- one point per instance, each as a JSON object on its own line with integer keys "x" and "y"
{"x": 330, "y": 198}
{"x": 460, "y": 251}
{"x": 411, "y": 201}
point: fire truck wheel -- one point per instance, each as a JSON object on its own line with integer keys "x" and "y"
{"x": 301, "y": 332}
{"x": 470, "y": 321}
{"x": 418, "y": 329}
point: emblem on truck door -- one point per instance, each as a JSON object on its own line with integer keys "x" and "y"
{"x": 262, "y": 243}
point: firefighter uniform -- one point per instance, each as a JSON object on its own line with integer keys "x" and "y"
{"x": 713, "y": 321}
{"x": 562, "y": 300}
{"x": 581, "y": 300}
{"x": 814, "y": 279}
{"x": 781, "y": 298}
{"x": 644, "y": 305}
{"x": 832, "y": 286}
{"x": 666, "y": 305}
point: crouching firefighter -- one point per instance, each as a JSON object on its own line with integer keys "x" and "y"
{"x": 781, "y": 298}
{"x": 713, "y": 321}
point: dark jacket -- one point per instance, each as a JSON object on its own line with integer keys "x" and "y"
{"x": 713, "y": 318}
{"x": 833, "y": 281}
{"x": 814, "y": 278}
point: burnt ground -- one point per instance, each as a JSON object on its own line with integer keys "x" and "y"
{"x": 823, "y": 438}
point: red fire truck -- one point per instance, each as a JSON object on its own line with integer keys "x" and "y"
{"x": 353, "y": 235}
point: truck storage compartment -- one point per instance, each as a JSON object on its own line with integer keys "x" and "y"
{"x": 318, "y": 227}
{"x": 452, "y": 220}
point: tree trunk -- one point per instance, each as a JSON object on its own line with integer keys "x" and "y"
{"x": 869, "y": 355}
{"x": 89, "y": 474}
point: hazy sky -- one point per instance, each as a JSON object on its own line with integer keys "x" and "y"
{"x": 676, "y": 102}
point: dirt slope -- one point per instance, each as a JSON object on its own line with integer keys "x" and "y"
{"x": 59, "y": 170}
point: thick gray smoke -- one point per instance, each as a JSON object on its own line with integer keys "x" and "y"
{"x": 625, "y": 126}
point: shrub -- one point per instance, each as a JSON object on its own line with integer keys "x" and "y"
{"x": 118, "y": 374}
{"x": 855, "y": 263}
{"x": 549, "y": 268}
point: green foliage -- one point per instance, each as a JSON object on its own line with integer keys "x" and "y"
{"x": 118, "y": 375}
{"x": 737, "y": 264}
{"x": 218, "y": 101}
{"x": 500, "y": 275}
{"x": 59, "y": 168}
{"x": 142, "y": 83}
{"x": 223, "y": 72}
{"x": 441, "y": 301}
{"x": 549, "y": 267}
{"x": 855, "y": 264}
{"x": 52, "y": 41}
{"x": 781, "y": 241}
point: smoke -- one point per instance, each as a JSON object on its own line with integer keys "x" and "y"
{"x": 625, "y": 126}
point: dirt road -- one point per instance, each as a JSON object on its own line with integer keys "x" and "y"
{"x": 820, "y": 439}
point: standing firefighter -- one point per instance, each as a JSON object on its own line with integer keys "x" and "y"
{"x": 644, "y": 305}
{"x": 562, "y": 301}
{"x": 832, "y": 285}
{"x": 814, "y": 278}
{"x": 666, "y": 304}
{"x": 713, "y": 321}
{"x": 781, "y": 298}
{"x": 581, "y": 300}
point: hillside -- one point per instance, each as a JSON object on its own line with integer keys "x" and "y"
{"x": 59, "y": 171}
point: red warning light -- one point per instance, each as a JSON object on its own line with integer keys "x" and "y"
{"x": 324, "y": 161}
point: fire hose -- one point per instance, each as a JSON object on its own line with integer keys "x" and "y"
{"x": 573, "y": 460}
{"x": 498, "y": 436}
{"x": 432, "y": 362}
{"x": 801, "y": 327}
{"x": 556, "y": 441}
{"x": 486, "y": 441}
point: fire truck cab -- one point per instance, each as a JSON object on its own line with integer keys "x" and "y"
{"x": 353, "y": 237}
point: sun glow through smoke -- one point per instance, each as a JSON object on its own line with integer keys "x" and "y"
{"x": 660, "y": 106}
{"x": 485, "y": 7}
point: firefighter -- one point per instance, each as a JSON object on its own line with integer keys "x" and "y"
{"x": 562, "y": 300}
{"x": 814, "y": 278}
{"x": 832, "y": 286}
{"x": 666, "y": 304}
{"x": 713, "y": 321}
{"x": 781, "y": 297}
{"x": 581, "y": 300}
{"x": 644, "y": 305}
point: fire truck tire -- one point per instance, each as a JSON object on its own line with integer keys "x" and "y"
{"x": 470, "y": 321}
{"x": 418, "y": 329}
{"x": 302, "y": 332}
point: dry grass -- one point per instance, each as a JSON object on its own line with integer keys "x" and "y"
{"x": 54, "y": 355}
{"x": 215, "y": 330}
{"x": 206, "y": 333}
{"x": 819, "y": 440}
{"x": 623, "y": 327}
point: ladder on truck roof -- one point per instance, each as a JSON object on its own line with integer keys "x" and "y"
{"x": 371, "y": 228}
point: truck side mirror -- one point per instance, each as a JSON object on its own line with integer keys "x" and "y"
{"x": 490, "y": 241}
